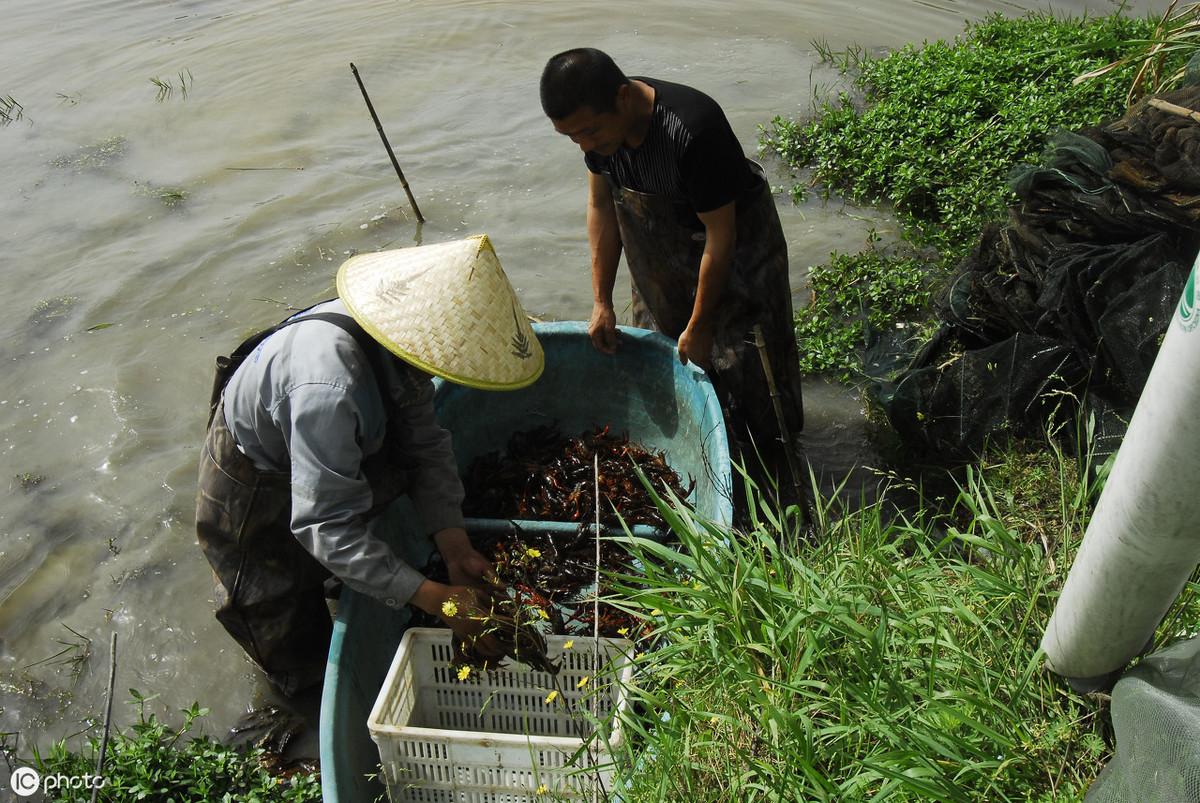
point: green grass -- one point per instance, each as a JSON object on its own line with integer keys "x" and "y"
{"x": 933, "y": 138}
{"x": 895, "y": 657}
{"x": 157, "y": 762}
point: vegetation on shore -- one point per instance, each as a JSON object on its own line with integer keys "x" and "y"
{"x": 159, "y": 762}
{"x": 932, "y": 134}
{"x": 893, "y": 657}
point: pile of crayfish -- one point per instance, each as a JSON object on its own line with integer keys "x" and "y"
{"x": 547, "y": 476}
{"x": 549, "y": 579}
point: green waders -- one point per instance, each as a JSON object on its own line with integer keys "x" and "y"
{"x": 269, "y": 590}
{"x": 663, "y": 250}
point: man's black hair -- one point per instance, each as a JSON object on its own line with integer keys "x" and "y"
{"x": 580, "y": 77}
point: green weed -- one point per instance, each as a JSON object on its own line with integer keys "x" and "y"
{"x": 1164, "y": 60}
{"x": 74, "y": 655}
{"x": 154, "y": 761}
{"x": 27, "y": 480}
{"x": 92, "y": 157}
{"x": 945, "y": 122}
{"x": 168, "y": 196}
{"x": 11, "y": 111}
{"x": 166, "y": 88}
{"x": 852, "y": 292}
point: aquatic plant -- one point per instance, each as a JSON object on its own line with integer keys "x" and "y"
{"x": 28, "y": 480}
{"x": 74, "y": 656}
{"x": 874, "y": 289}
{"x": 166, "y": 87}
{"x": 98, "y": 155}
{"x": 169, "y": 196}
{"x": 10, "y": 110}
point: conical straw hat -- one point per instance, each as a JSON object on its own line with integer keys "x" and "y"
{"x": 447, "y": 309}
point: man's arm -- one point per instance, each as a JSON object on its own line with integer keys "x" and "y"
{"x": 434, "y": 486}
{"x": 720, "y": 227}
{"x": 604, "y": 239}
{"x": 330, "y": 499}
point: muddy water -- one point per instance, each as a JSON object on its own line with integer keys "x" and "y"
{"x": 144, "y": 226}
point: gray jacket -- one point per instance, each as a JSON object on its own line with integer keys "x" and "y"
{"x": 306, "y": 402}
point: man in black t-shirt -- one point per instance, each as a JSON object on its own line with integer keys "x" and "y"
{"x": 670, "y": 186}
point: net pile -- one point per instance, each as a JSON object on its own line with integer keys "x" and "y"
{"x": 1069, "y": 299}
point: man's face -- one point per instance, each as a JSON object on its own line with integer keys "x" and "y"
{"x": 592, "y": 132}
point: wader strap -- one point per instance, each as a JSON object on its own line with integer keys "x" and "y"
{"x": 227, "y": 366}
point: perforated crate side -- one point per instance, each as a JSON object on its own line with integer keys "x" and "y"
{"x": 491, "y": 736}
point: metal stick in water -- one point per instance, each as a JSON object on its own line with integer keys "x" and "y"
{"x": 386, "y": 144}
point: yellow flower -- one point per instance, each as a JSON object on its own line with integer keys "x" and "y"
{"x": 542, "y": 789}
{"x": 656, "y": 612}
{"x": 464, "y": 672}
{"x": 639, "y": 655}
{"x": 622, "y": 631}
{"x": 533, "y": 553}
{"x": 568, "y": 644}
{"x": 450, "y": 608}
{"x": 552, "y": 696}
{"x": 582, "y": 682}
{"x": 543, "y": 614}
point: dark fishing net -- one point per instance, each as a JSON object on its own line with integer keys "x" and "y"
{"x": 1068, "y": 300}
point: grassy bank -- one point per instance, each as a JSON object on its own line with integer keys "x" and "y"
{"x": 896, "y": 658}
{"x": 931, "y": 132}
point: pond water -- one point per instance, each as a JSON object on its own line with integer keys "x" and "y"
{"x": 184, "y": 171}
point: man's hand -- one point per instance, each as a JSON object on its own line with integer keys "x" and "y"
{"x": 463, "y": 609}
{"x": 465, "y": 565}
{"x": 720, "y": 242}
{"x": 602, "y": 328}
{"x": 696, "y": 345}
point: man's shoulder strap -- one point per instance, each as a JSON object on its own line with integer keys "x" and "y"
{"x": 226, "y": 366}
{"x": 367, "y": 344}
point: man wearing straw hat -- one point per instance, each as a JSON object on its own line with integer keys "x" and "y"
{"x": 328, "y": 420}
{"x": 670, "y": 186}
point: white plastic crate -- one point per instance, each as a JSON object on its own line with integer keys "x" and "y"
{"x": 493, "y": 738}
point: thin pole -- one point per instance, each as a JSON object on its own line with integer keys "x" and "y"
{"x": 596, "y": 632}
{"x": 386, "y": 144}
{"x": 784, "y": 435}
{"x": 112, "y": 677}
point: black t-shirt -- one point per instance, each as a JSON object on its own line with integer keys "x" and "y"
{"x": 690, "y": 154}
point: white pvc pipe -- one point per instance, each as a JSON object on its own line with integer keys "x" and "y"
{"x": 1144, "y": 538}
